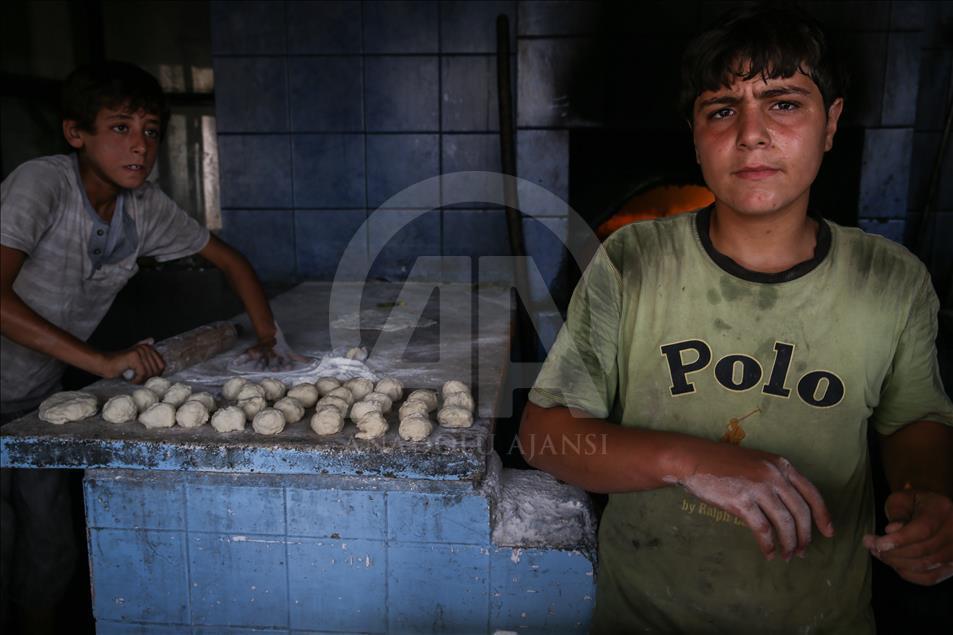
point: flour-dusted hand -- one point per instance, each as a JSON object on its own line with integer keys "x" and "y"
{"x": 918, "y": 540}
{"x": 775, "y": 500}
{"x": 142, "y": 359}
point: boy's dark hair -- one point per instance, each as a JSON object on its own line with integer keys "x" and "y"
{"x": 776, "y": 42}
{"x": 111, "y": 84}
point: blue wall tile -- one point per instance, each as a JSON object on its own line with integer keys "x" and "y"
{"x": 255, "y": 233}
{"x": 250, "y": 94}
{"x": 394, "y": 252}
{"x": 255, "y": 170}
{"x": 329, "y": 170}
{"x": 542, "y": 158}
{"x": 469, "y": 95}
{"x": 338, "y": 585}
{"x": 139, "y": 575}
{"x": 229, "y": 508}
{"x": 463, "y": 152}
{"x": 540, "y": 591}
{"x": 426, "y": 584}
{"x": 402, "y": 93}
{"x": 475, "y": 233}
{"x": 326, "y": 93}
{"x": 147, "y": 503}
{"x": 121, "y": 628}
{"x": 321, "y": 238}
{"x": 400, "y": 27}
{"x": 470, "y": 27}
{"x": 248, "y": 27}
{"x": 224, "y": 630}
{"x": 902, "y": 79}
{"x": 558, "y": 18}
{"x": 544, "y": 243}
{"x": 336, "y": 513}
{"x": 418, "y": 517}
{"x": 395, "y": 162}
{"x": 238, "y": 580}
{"x": 324, "y": 27}
{"x": 885, "y": 173}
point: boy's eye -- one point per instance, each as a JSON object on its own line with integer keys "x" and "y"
{"x": 787, "y": 106}
{"x": 152, "y": 132}
{"x": 120, "y": 127}
{"x": 721, "y": 113}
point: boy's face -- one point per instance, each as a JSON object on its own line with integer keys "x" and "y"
{"x": 121, "y": 149}
{"x": 760, "y": 143}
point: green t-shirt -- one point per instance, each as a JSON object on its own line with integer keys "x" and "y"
{"x": 665, "y": 333}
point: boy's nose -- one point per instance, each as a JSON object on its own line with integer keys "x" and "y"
{"x": 752, "y": 132}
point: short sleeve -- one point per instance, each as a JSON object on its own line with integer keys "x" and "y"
{"x": 29, "y": 197}
{"x": 168, "y": 231}
{"x": 581, "y": 370}
{"x": 913, "y": 390}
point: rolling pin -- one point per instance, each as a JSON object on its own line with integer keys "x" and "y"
{"x": 190, "y": 348}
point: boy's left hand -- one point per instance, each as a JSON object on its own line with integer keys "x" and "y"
{"x": 918, "y": 540}
{"x": 269, "y": 355}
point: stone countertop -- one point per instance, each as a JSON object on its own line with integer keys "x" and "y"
{"x": 421, "y": 333}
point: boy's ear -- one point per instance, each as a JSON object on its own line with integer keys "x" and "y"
{"x": 73, "y": 134}
{"x": 833, "y": 116}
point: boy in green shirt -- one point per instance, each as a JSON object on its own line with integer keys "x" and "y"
{"x": 729, "y": 360}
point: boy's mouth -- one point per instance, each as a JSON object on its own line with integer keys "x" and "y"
{"x": 135, "y": 167}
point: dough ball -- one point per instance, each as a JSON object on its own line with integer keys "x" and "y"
{"x": 390, "y": 387}
{"x": 415, "y": 428}
{"x": 455, "y": 417}
{"x": 453, "y": 386}
{"x": 371, "y": 426}
{"x": 120, "y": 409}
{"x": 413, "y": 407}
{"x": 177, "y": 394}
{"x": 205, "y": 398}
{"x": 429, "y": 397}
{"x": 291, "y": 408}
{"x": 275, "y": 389}
{"x": 326, "y": 385}
{"x": 191, "y": 414}
{"x": 327, "y": 420}
{"x": 359, "y": 387}
{"x": 230, "y": 419}
{"x": 269, "y": 421}
{"x": 337, "y": 402}
{"x": 144, "y": 398}
{"x": 385, "y": 401}
{"x": 306, "y": 394}
{"x": 250, "y": 390}
{"x": 459, "y": 399}
{"x": 252, "y": 406}
{"x": 232, "y": 387}
{"x": 70, "y": 405}
{"x": 358, "y": 352}
{"x": 160, "y": 415}
{"x": 361, "y": 408}
{"x": 342, "y": 393}
{"x": 158, "y": 385}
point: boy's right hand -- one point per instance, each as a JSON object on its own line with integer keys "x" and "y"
{"x": 142, "y": 359}
{"x": 777, "y": 503}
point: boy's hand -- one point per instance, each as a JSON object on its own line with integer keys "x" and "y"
{"x": 269, "y": 355}
{"x": 142, "y": 359}
{"x": 775, "y": 500}
{"x": 918, "y": 541}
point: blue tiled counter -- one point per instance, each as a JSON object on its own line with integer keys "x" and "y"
{"x": 198, "y": 532}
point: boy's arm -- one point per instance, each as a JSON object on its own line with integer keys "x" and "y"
{"x": 241, "y": 276}
{"x": 23, "y": 325}
{"x": 763, "y": 489}
{"x": 918, "y": 541}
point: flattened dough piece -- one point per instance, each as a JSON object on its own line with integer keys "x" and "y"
{"x": 160, "y": 415}
{"x": 232, "y": 387}
{"x": 359, "y": 387}
{"x": 385, "y": 401}
{"x": 120, "y": 409}
{"x": 429, "y": 397}
{"x": 361, "y": 408}
{"x": 177, "y": 394}
{"x": 371, "y": 426}
{"x": 291, "y": 408}
{"x": 455, "y": 417}
{"x": 327, "y": 420}
{"x": 342, "y": 393}
{"x": 269, "y": 421}
{"x": 326, "y": 385}
{"x": 275, "y": 389}
{"x": 205, "y": 398}
{"x": 391, "y": 387}
{"x": 337, "y": 402}
{"x": 454, "y": 385}
{"x": 158, "y": 385}
{"x": 230, "y": 419}
{"x": 252, "y": 406}
{"x": 459, "y": 399}
{"x": 191, "y": 414}
{"x": 413, "y": 407}
{"x": 250, "y": 390}
{"x": 70, "y": 405}
{"x": 144, "y": 398}
{"x": 415, "y": 428}
{"x": 307, "y": 394}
